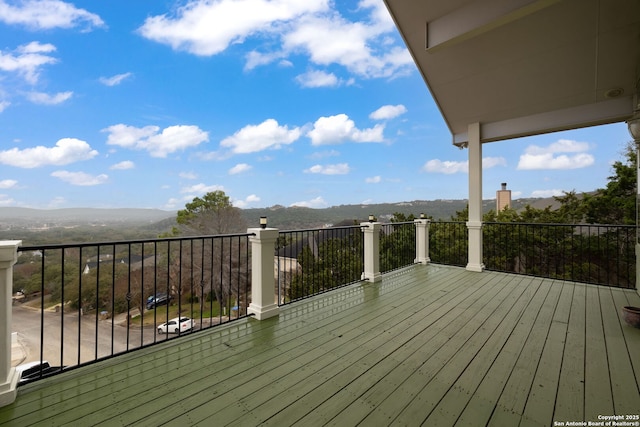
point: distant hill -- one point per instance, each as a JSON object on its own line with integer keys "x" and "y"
{"x": 82, "y": 215}
{"x": 293, "y": 218}
{"x": 89, "y": 224}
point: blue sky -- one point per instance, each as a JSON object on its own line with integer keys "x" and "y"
{"x": 149, "y": 103}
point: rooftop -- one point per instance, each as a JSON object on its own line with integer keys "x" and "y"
{"x": 432, "y": 344}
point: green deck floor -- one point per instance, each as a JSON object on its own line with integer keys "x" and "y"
{"x": 430, "y": 345}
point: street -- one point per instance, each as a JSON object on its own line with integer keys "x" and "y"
{"x": 57, "y": 329}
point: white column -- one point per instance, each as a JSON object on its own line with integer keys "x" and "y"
{"x": 422, "y": 241}
{"x": 8, "y": 375}
{"x": 371, "y": 232}
{"x": 474, "y": 225}
{"x": 263, "y": 290}
{"x": 637, "y": 217}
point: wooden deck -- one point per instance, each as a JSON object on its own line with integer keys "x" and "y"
{"x": 430, "y": 345}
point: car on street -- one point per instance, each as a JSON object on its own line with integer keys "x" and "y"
{"x": 176, "y": 325}
{"x": 158, "y": 299}
{"x": 35, "y": 370}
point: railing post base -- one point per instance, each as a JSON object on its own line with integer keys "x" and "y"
{"x": 422, "y": 241}
{"x": 262, "y": 313}
{"x": 475, "y": 246}
{"x": 8, "y": 375}
{"x": 263, "y": 291}
{"x": 371, "y": 232}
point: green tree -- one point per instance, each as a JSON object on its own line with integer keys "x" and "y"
{"x": 616, "y": 203}
{"x": 211, "y": 214}
{"x": 202, "y": 267}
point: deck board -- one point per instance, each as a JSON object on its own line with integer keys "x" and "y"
{"x": 435, "y": 345}
{"x": 570, "y": 395}
{"x": 512, "y": 401}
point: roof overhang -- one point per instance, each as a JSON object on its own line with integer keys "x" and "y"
{"x": 525, "y": 67}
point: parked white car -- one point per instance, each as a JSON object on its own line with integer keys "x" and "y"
{"x": 179, "y": 324}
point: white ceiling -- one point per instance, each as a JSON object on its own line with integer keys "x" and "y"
{"x": 524, "y": 67}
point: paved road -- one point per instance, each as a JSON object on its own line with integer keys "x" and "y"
{"x": 57, "y": 328}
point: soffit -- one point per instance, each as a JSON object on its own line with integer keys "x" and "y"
{"x": 524, "y": 67}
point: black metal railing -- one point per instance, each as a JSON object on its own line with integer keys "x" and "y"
{"x": 397, "y": 245}
{"x": 448, "y": 243}
{"x": 588, "y": 253}
{"x": 93, "y": 301}
{"x": 310, "y": 262}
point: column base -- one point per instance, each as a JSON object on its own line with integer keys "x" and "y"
{"x": 372, "y": 278}
{"x": 478, "y": 268}
{"x": 9, "y": 390}
{"x": 426, "y": 260}
{"x": 265, "y": 312}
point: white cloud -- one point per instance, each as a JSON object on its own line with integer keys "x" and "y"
{"x": 357, "y": 46}
{"x": 6, "y": 200}
{"x": 243, "y": 204}
{"x": 201, "y": 189}
{"x": 450, "y": 167}
{"x": 188, "y": 175}
{"x": 80, "y": 178}
{"x": 255, "y": 59}
{"x": 56, "y": 202}
{"x": 324, "y": 154}
{"x": 318, "y": 202}
{"x": 446, "y": 167}
{"x": 206, "y": 27}
{"x": 172, "y": 203}
{"x": 127, "y": 164}
{"x": 373, "y": 179}
{"x": 46, "y": 99}
{"x": 158, "y": 144}
{"x": 490, "y": 162}
{"x": 8, "y": 183}
{"x": 367, "y": 48}
{"x": 239, "y": 168}
{"x": 318, "y": 78}
{"x": 66, "y": 151}
{"x": 547, "y": 193}
{"x": 340, "y": 128}
{"x": 47, "y": 14}
{"x": 27, "y": 60}
{"x": 115, "y": 80}
{"x": 387, "y": 112}
{"x": 337, "y": 169}
{"x": 539, "y": 158}
{"x": 4, "y": 105}
{"x": 266, "y": 135}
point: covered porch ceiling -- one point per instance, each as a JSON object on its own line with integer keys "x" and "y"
{"x": 525, "y": 67}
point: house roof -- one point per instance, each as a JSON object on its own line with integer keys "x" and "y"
{"x": 524, "y": 67}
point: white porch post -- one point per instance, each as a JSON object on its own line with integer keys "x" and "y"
{"x": 422, "y": 241}
{"x": 637, "y": 217}
{"x": 263, "y": 290}
{"x": 474, "y": 225}
{"x": 8, "y": 375}
{"x": 371, "y": 232}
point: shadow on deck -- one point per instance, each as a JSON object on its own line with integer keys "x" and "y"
{"x": 429, "y": 344}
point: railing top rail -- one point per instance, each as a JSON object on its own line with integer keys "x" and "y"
{"x": 398, "y": 223}
{"x": 557, "y": 224}
{"x": 128, "y": 242}
{"x": 341, "y": 227}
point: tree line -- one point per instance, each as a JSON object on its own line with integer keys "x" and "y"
{"x": 553, "y": 242}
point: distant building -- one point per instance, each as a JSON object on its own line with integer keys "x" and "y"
{"x": 503, "y": 198}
